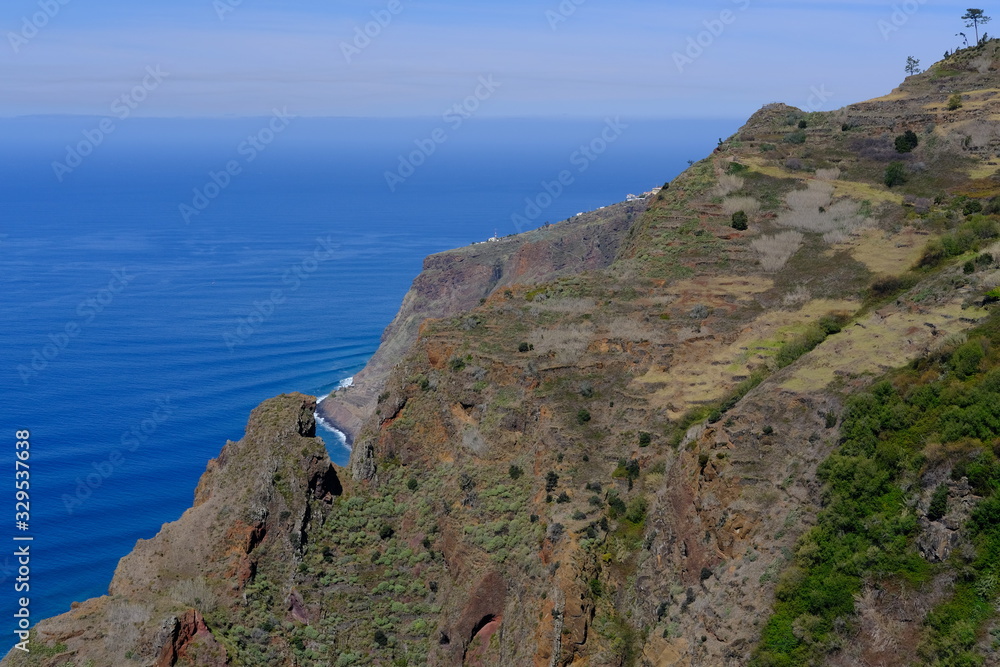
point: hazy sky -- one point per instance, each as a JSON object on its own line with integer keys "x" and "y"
{"x": 543, "y": 57}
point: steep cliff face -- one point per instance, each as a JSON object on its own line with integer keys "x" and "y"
{"x": 457, "y": 281}
{"x": 620, "y": 446}
{"x": 254, "y": 510}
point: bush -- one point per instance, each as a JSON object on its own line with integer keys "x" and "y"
{"x": 803, "y": 124}
{"x": 551, "y": 481}
{"x": 907, "y": 141}
{"x": 582, "y": 416}
{"x": 386, "y": 531}
{"x": 955, "y": 102}
{"x": 645, "y": 439}
{"x": 563, "y": 498}
{"x": 523, "y": 347}
{"x": 515, "y": 472}
{"x": 798, "y": 137}
{"x": 972, "y": 206}
{"x": 380, "y": 638}
{"x": 895, "y": 174}
{"x": 740, "y": 221}
{"x": 939, "y": 503}
{"x": 412, "y": 484}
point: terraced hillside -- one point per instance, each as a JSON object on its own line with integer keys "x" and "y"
{"x": 774, "y": 445}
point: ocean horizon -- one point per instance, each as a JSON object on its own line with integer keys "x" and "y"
{"x": 164, "y": 278}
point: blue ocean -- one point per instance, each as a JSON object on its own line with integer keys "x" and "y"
{"x": 161, "y": 282}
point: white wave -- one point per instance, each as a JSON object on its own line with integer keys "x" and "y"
{"x": 338, "y": 435}
{"x": 346, "y": 382}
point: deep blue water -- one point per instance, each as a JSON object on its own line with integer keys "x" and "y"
{"x": 157, "y": 367}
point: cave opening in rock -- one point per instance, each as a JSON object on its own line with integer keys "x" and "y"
{"x": 486, "y": 620}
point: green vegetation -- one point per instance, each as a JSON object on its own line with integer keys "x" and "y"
{"x": 969, "y": 236}
{"x": 955, "y": 102}
{"x": 906, "y": 142}
{"x": 797, "y": 137}
{"x": 895, "y": 174}
{"x": 740, "y": 221}
{"x": 939, "y": 413}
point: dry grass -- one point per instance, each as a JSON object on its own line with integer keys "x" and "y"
{"x": 563, "y": 345}
{"x": 775, "y": 251}
{"x": 797, "y": 297}
{"x": 194, "y": 593}
{"x": 828, "y": 174}
{"x": 124, "y": 619}
{"x": 748, "y": 205}
{"x": 727, "y": 185}
{"x": 813, "y": 210}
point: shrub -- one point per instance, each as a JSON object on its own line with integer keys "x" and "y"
{"x": 551, "y": 481}
{"x": 803, "y": 124}
{"x": 939, "y": 503}
{"x": 412, "y": 484}
{"x": 582, "y": 416}
{"x": 736, "y": 168}
{"x": 563, "y": 498}
{"x": 616, "y": 506}
{"x": 523, "y": 347}
{"x": 380, "y": 638}
{"x": 798, "y": 137}
{"x": 895, "y": 174}
{"x": 515, "y": 472}
{"x": 955, "y": 102}
{"x": 907, "y": 141}
{"x": 645, "y": 439}
{"x": 740, "y": 221}
{"x": 636, "y": 511}
{"x": 768, "y": 430}
{"x": 972, "y": 206}
{"x": 386, "y": 531}
{"x": 889, "y": 285}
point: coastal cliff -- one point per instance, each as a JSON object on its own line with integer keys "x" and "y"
{"x": 457, "y": 281}
{"x": 753, "y": 423}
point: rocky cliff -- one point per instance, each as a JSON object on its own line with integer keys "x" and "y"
{"x": 753, "y": 424}
{"x": 457, "y": 281}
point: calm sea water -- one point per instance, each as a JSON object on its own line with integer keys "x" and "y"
{"x": 135, "y": 342}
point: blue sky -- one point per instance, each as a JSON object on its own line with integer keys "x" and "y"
{"x": 550, "y": 58}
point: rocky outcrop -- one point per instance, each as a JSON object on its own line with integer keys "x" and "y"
{"x": 253, "y": 511}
